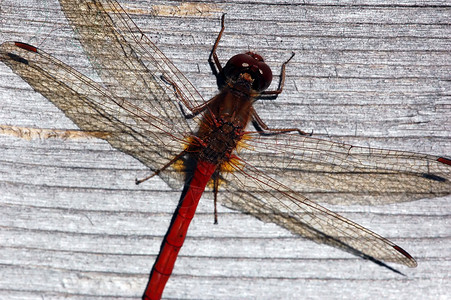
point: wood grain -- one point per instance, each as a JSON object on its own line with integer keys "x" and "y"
{"x": 74, "y": 225}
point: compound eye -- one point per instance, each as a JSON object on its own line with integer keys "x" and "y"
{"x": 252, "y": 64}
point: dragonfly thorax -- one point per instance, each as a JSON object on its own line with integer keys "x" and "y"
{"x": 218, "y": 141}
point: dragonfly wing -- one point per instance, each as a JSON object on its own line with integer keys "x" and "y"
{"x": 127, "y": 127}
{"x": 128, "y": 63}
{"x": 251, "y": 191}
{"x": 337, "y": 173}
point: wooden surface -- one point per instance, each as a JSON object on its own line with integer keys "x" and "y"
{"x": 73, "y": 224}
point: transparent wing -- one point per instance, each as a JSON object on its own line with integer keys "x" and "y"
{"x": 140, "y": 86}
{"x": 273, "y": 174}
{"x": 253, "y": 192}
{"x": 338, "y": 173}
{"x": 146, "y": 135}
{"x": 128, "y": 63}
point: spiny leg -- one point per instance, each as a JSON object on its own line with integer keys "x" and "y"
{"x": 258, "y": 123}
{"x": 281, "y": 80}
{"x": 263, "y": 129}
{"x": 213, "y": 55}
{"x": 177, "y": 157}
{"x": 215, "y": 191}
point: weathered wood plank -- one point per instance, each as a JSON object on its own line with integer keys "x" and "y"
{"x": 73, "y": 224}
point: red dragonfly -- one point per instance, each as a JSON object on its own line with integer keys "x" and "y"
{"x": 148, "y": 109}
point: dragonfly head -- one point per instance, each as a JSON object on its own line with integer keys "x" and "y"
{"x": 252, "y": 64}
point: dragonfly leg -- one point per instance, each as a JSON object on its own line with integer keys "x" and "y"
{"x": 177, "y": 157}
{"x": 263, "y": 129}
{"x": 177, "y": 92}
{"x": 215, "y": 190}
{"x": 281, "y": 81}
{"x": 216, "y": 65}
{"x": 194, "y": 110}
{"x": 258, "y": 123}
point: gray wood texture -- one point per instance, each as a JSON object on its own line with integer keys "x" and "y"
{"x": 73, "y": 224}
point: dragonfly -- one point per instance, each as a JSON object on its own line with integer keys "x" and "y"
{"x": 147, "y": 108}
